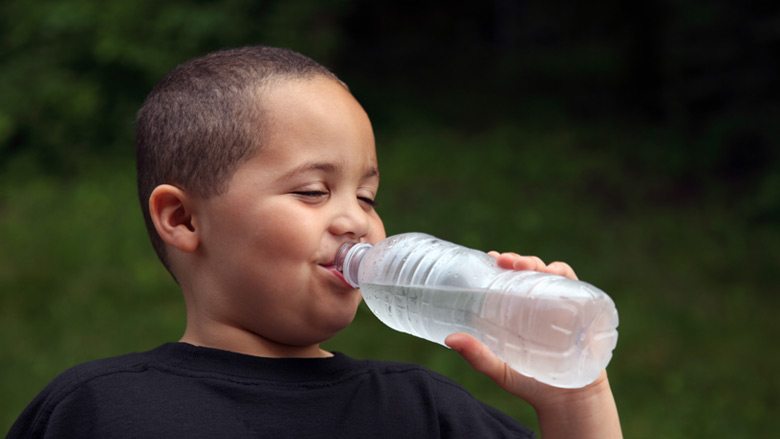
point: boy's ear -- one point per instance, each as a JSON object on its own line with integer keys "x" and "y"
{"x": 171, "y": 212}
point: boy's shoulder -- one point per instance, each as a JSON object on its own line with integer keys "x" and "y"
{"x": 83, "y": 373}
{"x": 79, "y": 387}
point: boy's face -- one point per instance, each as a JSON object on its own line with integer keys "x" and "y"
{"x": 270, "y": 240}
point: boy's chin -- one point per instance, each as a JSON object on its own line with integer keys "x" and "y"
{"x": 339, "y": 323}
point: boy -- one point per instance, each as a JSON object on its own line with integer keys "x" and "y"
{"x": 254, "y": 166}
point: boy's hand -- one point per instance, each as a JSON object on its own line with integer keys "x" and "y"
{"x": 513, "y": 261}
{"x": 484, "y": 361}
{"x": 572, "y": 413}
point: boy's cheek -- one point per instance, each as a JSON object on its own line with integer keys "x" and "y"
{"x": 378, "y": 231}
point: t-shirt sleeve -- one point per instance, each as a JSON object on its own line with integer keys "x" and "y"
{"x": 62, "y": 410}
{"x": 67, "y": 407}
{"x": 35, "y": 420}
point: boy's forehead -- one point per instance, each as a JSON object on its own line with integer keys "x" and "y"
{"x": 316, "y": 166}
{"x": 319, "y": 112}
{"x": 278, "y": 91}
{"x": 304, "y": 95}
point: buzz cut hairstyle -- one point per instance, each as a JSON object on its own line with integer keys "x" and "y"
{"x": 206, "y": 118}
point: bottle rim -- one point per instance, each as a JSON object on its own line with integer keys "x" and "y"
{"x": 348, "y": 260}
{"x": 341, "y": 255}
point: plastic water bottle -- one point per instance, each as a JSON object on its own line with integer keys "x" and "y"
{"x": 557, "y": 330}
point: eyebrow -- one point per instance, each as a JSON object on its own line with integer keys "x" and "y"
{"x": 325, "y": 167}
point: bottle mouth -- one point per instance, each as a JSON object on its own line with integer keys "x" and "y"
{"x": 348, "y": 259}
{"x": 341, "y": 255}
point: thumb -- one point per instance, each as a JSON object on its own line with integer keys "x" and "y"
{"x": 480, "y": 358}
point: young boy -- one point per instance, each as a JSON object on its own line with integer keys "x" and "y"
{"x": 254, "y": 166}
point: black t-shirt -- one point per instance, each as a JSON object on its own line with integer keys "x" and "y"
{"x": 179, "y": 390}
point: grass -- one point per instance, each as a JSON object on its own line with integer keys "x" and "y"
{"x": 694, "y": 275}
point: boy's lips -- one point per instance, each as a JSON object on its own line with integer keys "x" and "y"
{"x": 331, "y": 266}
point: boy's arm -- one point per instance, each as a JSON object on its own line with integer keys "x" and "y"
{"x": 589, "y": 412}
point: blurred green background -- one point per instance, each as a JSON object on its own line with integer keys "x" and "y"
{"x": 639, "y": 144}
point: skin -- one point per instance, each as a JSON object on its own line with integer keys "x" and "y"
{"x": 255, "y": 262}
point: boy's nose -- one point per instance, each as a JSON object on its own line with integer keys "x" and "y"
{"x": 351, "y": 220}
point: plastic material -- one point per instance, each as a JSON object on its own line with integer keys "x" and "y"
{"x": 556, "y": 330}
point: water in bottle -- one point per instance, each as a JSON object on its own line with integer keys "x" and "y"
{"x": 556, "y": 330}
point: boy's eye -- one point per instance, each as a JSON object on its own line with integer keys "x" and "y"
{"x": 311, "y": 194}
{"x": 315, "y": 195}
{"x": 370, "y": 201}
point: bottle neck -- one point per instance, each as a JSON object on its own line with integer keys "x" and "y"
{"x": 348, "y": 260}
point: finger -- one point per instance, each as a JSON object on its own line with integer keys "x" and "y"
{"x": 495, "y": 254}
{"x": 561, "y": 269}
{"x": 507, "y": 260}
{"x": 529, "y": 263}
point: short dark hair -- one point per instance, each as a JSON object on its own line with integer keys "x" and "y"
{"x": 205, "y": 118}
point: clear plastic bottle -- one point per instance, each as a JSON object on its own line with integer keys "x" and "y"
{"x": 556, "y": 330}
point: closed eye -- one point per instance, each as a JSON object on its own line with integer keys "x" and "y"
{"x": 370, "y": 201}
{"x": 320, "y": 194}
{"x": 311, "y": 194}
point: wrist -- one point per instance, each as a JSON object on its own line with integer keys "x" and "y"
{"x": 580, "y": 413}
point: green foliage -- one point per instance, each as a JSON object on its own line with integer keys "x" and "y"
{"x": 75, "y": 71}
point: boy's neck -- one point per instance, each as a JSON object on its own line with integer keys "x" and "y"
{"x": 244, "y": 342}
